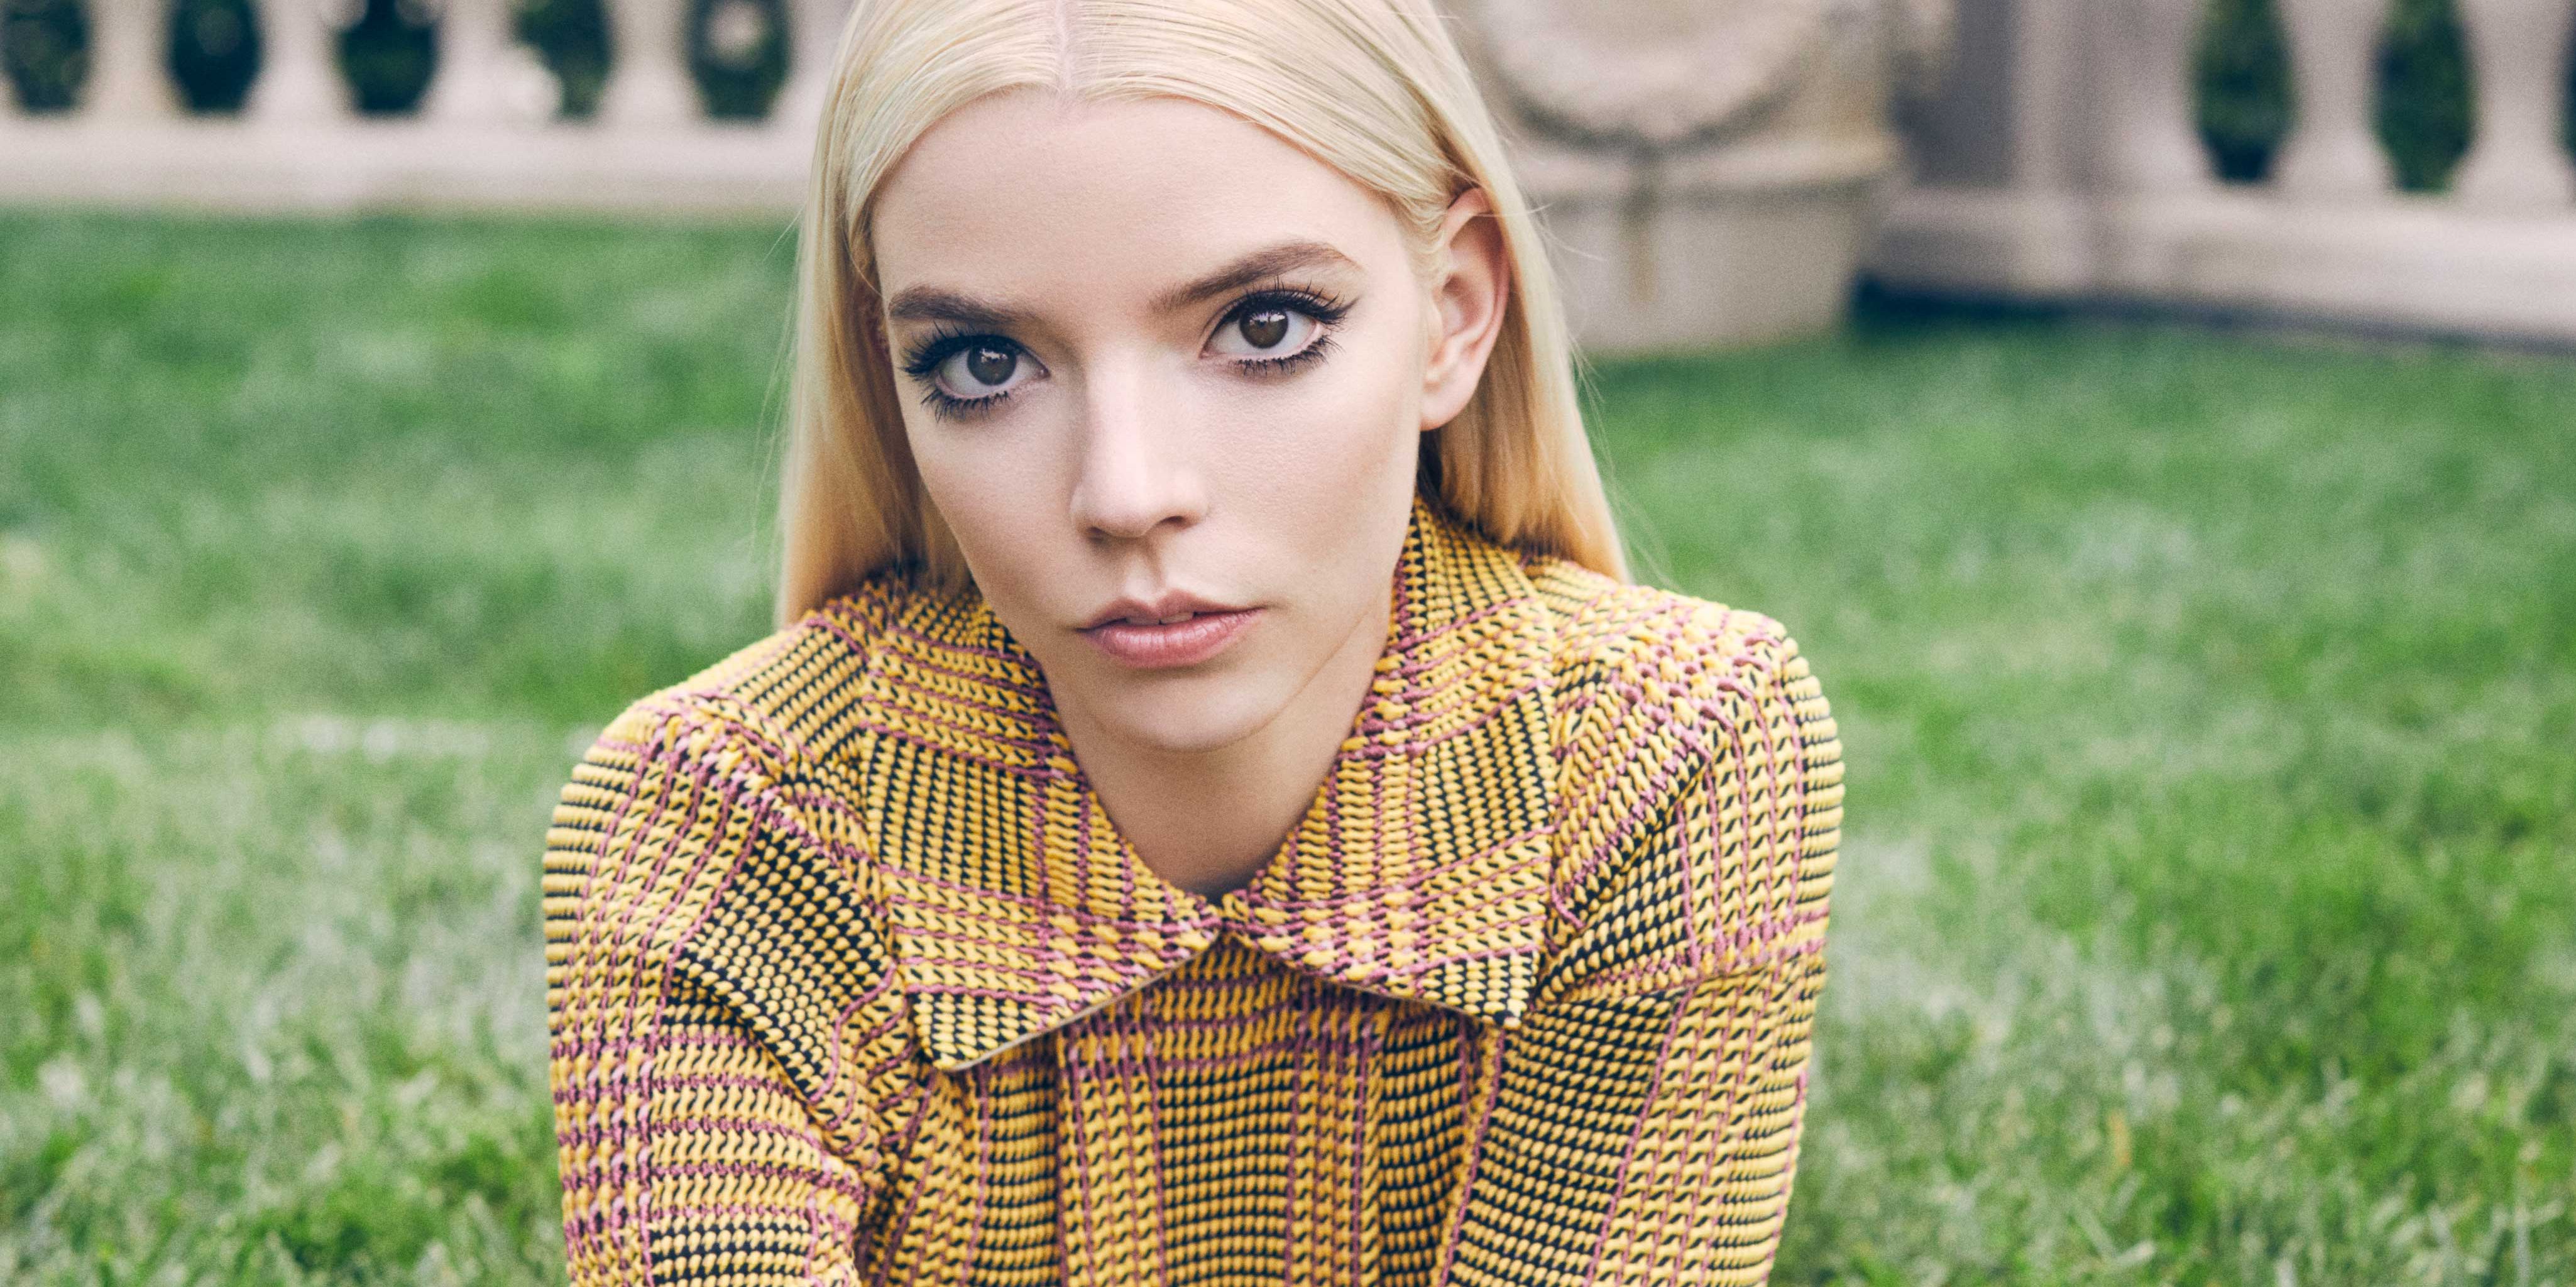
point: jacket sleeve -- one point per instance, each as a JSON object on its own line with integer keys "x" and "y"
{"x": 690, "y": 1145}
{"x": 1641, "y": 1125}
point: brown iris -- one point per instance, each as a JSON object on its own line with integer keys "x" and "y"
{"x": 1265, "y": 329}
{"x": 991, "y": 365}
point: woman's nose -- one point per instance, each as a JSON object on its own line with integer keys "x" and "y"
{"x": 1135, "y": 472}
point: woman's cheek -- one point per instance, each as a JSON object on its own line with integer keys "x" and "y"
{"x": 991, "y": 510}
{"x": 1325, "y": 451}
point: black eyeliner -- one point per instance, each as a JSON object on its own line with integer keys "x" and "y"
{"x": 936, "y": 347}
{"x": 1323, "y": 308}
{"x": 924, "y": 357}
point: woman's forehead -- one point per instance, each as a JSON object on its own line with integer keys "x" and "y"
{"x": 1020, "y": 189}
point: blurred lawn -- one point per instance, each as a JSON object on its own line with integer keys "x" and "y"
{"x": 2206, "y": 916}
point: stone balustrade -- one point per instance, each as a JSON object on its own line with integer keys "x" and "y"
{"x": 2059, "y": 162}
{"x": 1722, "y": 191}
{"x": 484, "y": 135}
{"x": 2062, "y": 163}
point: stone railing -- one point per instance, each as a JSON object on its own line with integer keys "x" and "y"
{"x": 479, "y": 138}
{"x": 1710, "y": 169}
{"x": 2062, "y": 162}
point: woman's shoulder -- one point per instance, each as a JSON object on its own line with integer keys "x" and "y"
{"x": 1699, "y": 770}
{"x": 771, "y": 697}
{"x": 702, "y": 869}
{"x": 719, "y": 763}
{"x": 1642, "y": 654}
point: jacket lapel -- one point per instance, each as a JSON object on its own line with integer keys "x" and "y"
{"x": 1420, "y": 870}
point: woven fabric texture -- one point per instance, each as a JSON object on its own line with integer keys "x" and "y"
{"x": 852, "y": 980}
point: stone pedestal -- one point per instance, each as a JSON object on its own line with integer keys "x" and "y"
{"x": 1712, "y": 169}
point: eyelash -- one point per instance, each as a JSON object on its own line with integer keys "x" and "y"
{"x": 1328, "y": 311}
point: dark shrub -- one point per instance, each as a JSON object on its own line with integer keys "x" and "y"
{"x": 572, "y": 37}
{"x": 738, "y": 53}
{"x": 214, "y": 53}
{"x": 2426, "y": 109}
{"x": 44, "y": 49}
{"x": 2243, "y": 68}
{"x": 390, "y": 54}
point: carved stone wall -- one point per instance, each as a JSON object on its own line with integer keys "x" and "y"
{"x": 1712, "y": 169}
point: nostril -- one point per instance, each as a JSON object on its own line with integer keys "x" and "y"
{"x": 1132, "y": 517}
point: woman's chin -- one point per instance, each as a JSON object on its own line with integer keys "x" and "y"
{"x": 1186, "y": 715}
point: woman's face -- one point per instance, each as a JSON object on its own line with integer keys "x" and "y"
{"x": 1158, "y": 358}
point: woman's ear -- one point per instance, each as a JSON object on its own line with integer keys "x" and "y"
{"x": 1468, "y": 298}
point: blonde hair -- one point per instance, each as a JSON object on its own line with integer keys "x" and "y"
{"x": 1376, "y": 89}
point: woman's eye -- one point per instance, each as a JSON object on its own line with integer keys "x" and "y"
{"x": 1267, "y": 331}
{"x": 979, "y": 369}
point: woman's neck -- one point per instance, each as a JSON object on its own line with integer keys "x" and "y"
{"x": 1208, "y": 820}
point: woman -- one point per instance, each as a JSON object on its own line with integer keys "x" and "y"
{"x": 1214, "y": 810}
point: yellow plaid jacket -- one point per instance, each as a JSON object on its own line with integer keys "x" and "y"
{"x": 852, "y": 980}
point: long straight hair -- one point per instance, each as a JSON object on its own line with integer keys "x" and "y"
{"x": 1377, "y": 89}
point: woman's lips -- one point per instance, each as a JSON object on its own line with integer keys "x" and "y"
{"x": 1181, "y": 643}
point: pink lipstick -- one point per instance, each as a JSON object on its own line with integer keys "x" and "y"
{"x": 1171, "y": 630}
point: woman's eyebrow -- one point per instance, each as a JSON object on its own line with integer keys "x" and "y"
{"x": 932, "y": 304}
{"x": 1269, "y": 261}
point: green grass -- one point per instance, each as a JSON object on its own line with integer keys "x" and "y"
{"x": 2206, "y": 916}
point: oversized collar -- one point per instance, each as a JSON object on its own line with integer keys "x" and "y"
{"x": 1419, "y": 871}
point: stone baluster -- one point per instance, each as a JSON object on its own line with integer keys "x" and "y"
{"x": 2160, "y": 147}
{"x": 128, "y": 79}
{"x": 2516, "y": 51}
{"x": 648, "y": 78}
{"x": 2333, "y": 154}
{"x": 814, "y": 26}
{"x": 474, "y": 40}
{"x": 299, "y": 79}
